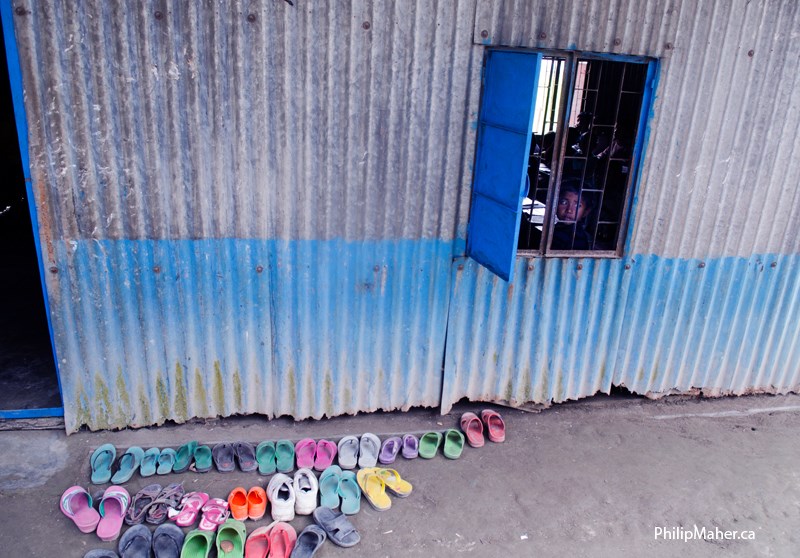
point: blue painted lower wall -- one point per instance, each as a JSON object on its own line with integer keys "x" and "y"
{"x": 148, "y": 331}
{"x": 568, "y": 328}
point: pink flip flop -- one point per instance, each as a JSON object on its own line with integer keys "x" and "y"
{"x": 282, "y": 537}
{"x": 326, "y": 451}
{"x": 113, "y": 507}
{"x": 76, "y": 503}
{"x": 473, "y": 429}
{"x": 190, "y": 506}
{"x": 304, "y": 452}
{"x": 495, "y": 425}
{"x": 215, "y": 512}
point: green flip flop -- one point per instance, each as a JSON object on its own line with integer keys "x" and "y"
{"x": 101, "y": 461}
{"x": 202, "y": 459}
{"x": 230, "y": 539}
{"x": 184, "y": 457}
{"x": 197, "y": 544}
{"x": 428, "y": 444}
{"x": 128, "y": 464}
{"x": 265, "y": 455}
{"x": 149, "y": 462}
{"x": 453, "y": 444}
{"x": 284, "y": 456}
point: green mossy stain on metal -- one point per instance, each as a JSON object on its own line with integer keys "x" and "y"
{"x": 124, "y": 410}
{"x": 602, "y": 375}
{"x": 237, "y": 391}
{"x": 200, "y": 394}
{"x": 163, "y": 398}
{"x": 640, "y": 375}
{"x": 310, "y": 392}
{"x": 102, "y": 405}
{"x": 526, "y": 383}
{"x": 181, "y": 406}
{"x": 219, "y": 389}
{"x": 559, "y": 396}
{"x": 509, "y": 391}
{"x": 348, "y": 398}
{"x": 292, "y": 381}
{"x": 82, "y": 414}
{"x": 329, "y": 408}
{"x": 144, "y": 403}
{"x": 653, "y": 375}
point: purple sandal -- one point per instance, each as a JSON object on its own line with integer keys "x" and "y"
{"x": 410, "y": 446}
{"x": 390, "y": 449}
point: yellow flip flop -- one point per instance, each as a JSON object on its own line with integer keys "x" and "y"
{"x": 394, "y": 483}
{"x": 373, "y": 487}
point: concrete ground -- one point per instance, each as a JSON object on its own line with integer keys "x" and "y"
{"x": 591, "y": 478}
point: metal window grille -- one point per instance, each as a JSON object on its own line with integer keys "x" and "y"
{"x": 581, "y": 163}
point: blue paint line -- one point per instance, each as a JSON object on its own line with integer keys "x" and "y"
{"x": 646, "y": 115}
{"x": 33, "y": 413}
{"x": 21, "y": 119}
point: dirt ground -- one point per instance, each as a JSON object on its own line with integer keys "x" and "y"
{"x": 591, "y": 478}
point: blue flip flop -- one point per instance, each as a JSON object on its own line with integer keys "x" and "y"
{"x": 184, "y": 457}
{"x": 101, "y": 461}
{"x": 166, "y": 460}
{"x": 128, "y": 464}
{"x": 149, "y": 462}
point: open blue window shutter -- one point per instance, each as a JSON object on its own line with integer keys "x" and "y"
{"x": 501, "y": 160}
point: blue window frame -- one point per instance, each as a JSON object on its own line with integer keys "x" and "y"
{"x": 560, "y": 140}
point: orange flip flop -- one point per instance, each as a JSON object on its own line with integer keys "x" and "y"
{"x": 256, "y": 503}
{"x": 473, "y": 428}
{"x": 494, "y": 425}
{"x": 237, "y": 503}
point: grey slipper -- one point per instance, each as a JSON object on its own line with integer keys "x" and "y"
{"x": 136, "y": 542}
{"x": 348, "y": 452}
{"x": 308, "y": 542}
{"x": 101, "y": 553}
{"x": 246, "y": 456}
{"x": 223, "y": 457}
{"x": 336, "y": 525}
{"x": 368, "y": 452}
{"x": 167, "y": 541}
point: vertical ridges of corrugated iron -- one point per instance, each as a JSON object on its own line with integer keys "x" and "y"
{"x": 569, "y": 328}
{"x": 196, "y": 158}
{"x": 239, "y": 120}
{"x": 722, "y": 142}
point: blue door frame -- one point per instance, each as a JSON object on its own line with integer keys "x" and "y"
{"x": 15, "y": 80}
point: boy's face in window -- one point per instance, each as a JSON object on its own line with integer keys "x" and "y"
{"x": 570, "y": 207}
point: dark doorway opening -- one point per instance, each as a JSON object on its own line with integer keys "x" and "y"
{"x": 28, "y": 378}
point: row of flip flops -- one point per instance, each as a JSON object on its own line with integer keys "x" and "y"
{"x": 269, "y": 457}
{"x": 276, "y": 540}
{"x": 191, "y": 455}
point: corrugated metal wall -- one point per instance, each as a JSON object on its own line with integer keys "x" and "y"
{"x": 696, "y": 304}
{"x": 254, "y": 207}
{"x": 720, "y": 175}
{"x": 248, "y": 206}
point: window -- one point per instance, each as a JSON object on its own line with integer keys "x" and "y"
{"x": 559, "y": 140}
